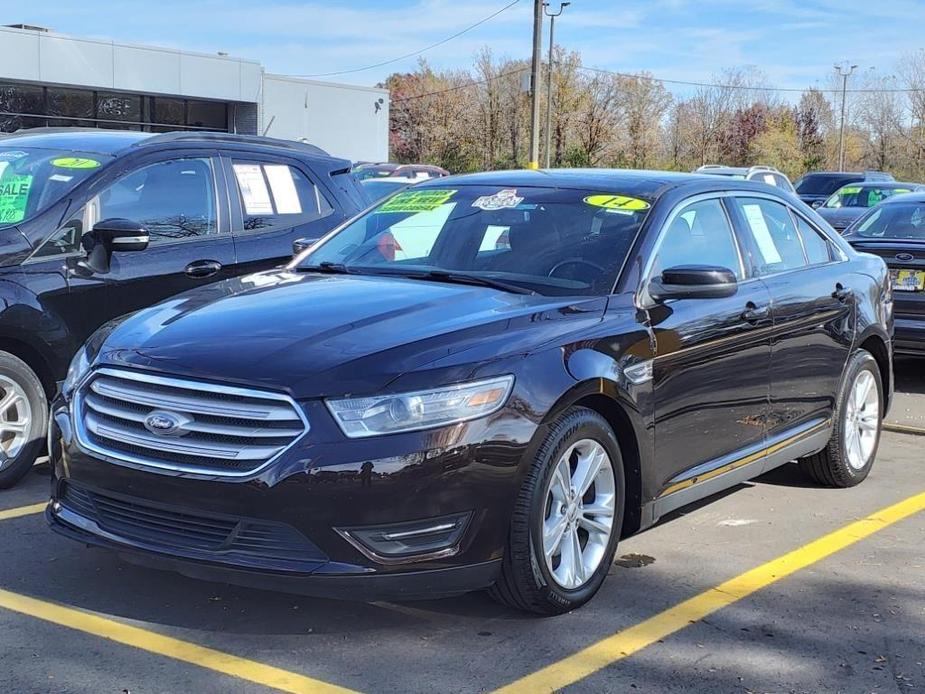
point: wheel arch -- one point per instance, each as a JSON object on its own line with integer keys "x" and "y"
{"x": 607, "y": 399}
{"x": 878, "y": 346}
{"x": 34, "y": 359}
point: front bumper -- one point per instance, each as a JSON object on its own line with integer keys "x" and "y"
{"x": 287, "y": 520}
{"x": 909, "y": 336}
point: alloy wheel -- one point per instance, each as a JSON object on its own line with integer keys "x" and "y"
{"x": 578, "y": 519}
{"x": 15, "y": 420}
{"x": 862, "y": 419}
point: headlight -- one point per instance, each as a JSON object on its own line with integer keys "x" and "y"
{"x": 80, "y": 364}
{"x": 389, "y": 414}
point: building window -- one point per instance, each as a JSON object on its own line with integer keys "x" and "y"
{"x": 28, "y": 106}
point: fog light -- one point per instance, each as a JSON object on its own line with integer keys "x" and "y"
{"x": 411, "y": 541}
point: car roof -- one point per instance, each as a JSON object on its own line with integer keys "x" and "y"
{"x": 647, "y": 184}
{"x": 77, "y": 139}
{"x": 882, "y": 184}
{"x": 115, "y": 142}
{"x": 905, "y": 197}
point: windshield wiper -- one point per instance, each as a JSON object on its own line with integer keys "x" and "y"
{"x": 462, "y": 278}
{"x": 327, "y": 267}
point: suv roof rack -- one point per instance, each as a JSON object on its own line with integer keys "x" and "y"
{"x": 214, "y": 136}
{"x": 712, "y": 166}
{"x": 762, "y": 167}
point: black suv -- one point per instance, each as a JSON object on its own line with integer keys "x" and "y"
{"x": 77, "y": 206}
{"x": 484, "y": 381}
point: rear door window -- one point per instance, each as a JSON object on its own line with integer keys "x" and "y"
{"x": 771, "y": 235}
{"x": 275, "y": 195}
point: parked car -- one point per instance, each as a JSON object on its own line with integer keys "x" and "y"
{"x": 477, "y": 414}
{"x": 96, "y": 224}
{"x": 420, "y": 172}
{"x": 851, "y": 201}
{"x": 895, "y": 230}
{"x": 815, "y": 187}
{"x": 762, "y": 174}
{"x": 379, "y": 188}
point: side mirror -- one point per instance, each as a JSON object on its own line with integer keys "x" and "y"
{"x": 110, "y": 235}
{"x": 693, "y": 282}
{"x": 818, "y": 203}
{"x": 300, "y": 245}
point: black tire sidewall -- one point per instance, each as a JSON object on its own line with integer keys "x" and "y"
{"x": 861, "y": 361}
{"x": 581, "y": 424}
{"x": 16, "y": 369}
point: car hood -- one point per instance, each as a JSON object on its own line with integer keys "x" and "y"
{"x": 840, "y": 217}
{"x": 314, "y": 335}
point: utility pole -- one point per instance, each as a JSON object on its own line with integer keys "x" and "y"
{"x": 552, "y": 30}
{"x": 845, "y": 72}
{"x": 534, "y": 84}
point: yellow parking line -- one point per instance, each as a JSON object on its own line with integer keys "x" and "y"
{"x": 152, "y": 642}
{"x": 22, "y": 511}
{"x": 633, "y": 639}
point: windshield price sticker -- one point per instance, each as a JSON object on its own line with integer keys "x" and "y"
{"x": 14, "y": 195}
{"x": 506, "y": 199}
{"x": 75, "y": 163}
{"x": 417, "y": 201}
{"x": 609, "y": 201}
{"x": 850, "y": 190}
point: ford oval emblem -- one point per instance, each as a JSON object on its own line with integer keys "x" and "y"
{"x": 163, "y": 423}
{"x": 905, "y": 257}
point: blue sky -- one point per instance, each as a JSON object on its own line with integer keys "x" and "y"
{"x": 794, "y": 42}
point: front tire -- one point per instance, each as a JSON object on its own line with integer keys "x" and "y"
{"x": 850, "y": 453}
{"x": 567, "y": 518}
{"x": 23, "y": 419}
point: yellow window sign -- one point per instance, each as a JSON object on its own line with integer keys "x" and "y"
{"x": 417, "y": 201}
{"x": 75, "y": 163}
{"x": 850, "y": 190}
{"x": 608, "y": 201}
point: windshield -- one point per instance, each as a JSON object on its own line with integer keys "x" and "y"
{"x": 552, "y": 242}
{"x": 32, "y": 179}
{"x": 822, "y": 184}
{"x": 378, "y": 188}
{"x": 862, "y": 196}
{"x": 896, "y": 220}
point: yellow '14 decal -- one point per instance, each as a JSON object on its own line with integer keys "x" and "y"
{"x": 616, "y": 202}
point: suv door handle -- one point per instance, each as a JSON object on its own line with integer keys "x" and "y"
{"x": 842, "y": 293}
{"x": 753, "y": 314}
{"x": 201, "y": 269}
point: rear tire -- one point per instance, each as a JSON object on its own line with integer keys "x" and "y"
{"x": 23, "y": 419}
{"x": 850, "y": 453}
{"x": 539, "y": 573}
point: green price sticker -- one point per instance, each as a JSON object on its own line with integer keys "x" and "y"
{"x": 14, "y": 196}
{"x": 616, "y": 202}
{"x": 75, "y": 163}
{"x": 850, "y": 190}
{"x": 417, "y": 201}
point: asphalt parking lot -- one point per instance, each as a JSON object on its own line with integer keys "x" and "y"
{"x": 774, "y": 586}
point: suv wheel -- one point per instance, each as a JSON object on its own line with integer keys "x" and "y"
{"x": 567, "y": 518}
{"x": 850, "y": 453}
{"x": 23, "y": 418}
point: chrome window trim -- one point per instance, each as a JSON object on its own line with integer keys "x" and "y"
{"x": 127, "y": 460}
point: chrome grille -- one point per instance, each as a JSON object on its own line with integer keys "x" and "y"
{"x": 219, "y": 429}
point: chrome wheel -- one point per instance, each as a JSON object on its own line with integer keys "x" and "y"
{"x": 15, "y": 420}
{"x": 862, "y": 420}
{"x": 578, "y": 521}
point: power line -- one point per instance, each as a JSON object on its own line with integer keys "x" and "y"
{"x": 743, "y": 87}
{"x": 419, "y": 52}
{"x": 465, "y": 85}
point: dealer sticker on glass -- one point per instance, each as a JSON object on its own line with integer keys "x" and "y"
{"x": 502, "y": 200}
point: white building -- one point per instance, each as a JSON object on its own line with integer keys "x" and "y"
{"x": 57, "y": 80}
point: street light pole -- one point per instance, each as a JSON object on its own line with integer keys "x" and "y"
{"x": 552, "y": 30}
{"x": 845, "y": 72}
{"x": 534, "y": 162}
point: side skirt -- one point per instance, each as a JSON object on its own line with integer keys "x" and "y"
{"x": 720, "y": 475}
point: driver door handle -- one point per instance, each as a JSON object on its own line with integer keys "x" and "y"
{"x": 201, "y": 269}
{"x": 753, "y": 313}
